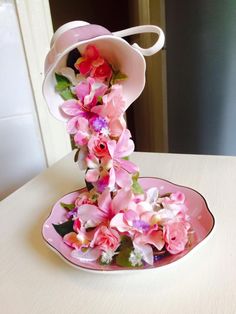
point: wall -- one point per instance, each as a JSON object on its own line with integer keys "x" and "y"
{"x": 201, "y": 76}
{"x": 21, "y": 152}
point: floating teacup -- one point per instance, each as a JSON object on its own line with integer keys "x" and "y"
{"x": 118, "y": 52}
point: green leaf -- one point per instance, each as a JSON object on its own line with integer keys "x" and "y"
{"x": 76, "y": 157}
{"x": 62, "y": 82}
{"x": 136, "y": 187}
{"x": 66, "y": 94}
{"x": 126, "y": 158}
{"x": 67, "y": 206}
{"x": 122, "y": 259}
{"x": 125, "y": 248}
{"x": 99, "y": 99}
{"x": 117, "y": 77}
{"x": 126, "y": 242}
{"x": 64, "y": 228}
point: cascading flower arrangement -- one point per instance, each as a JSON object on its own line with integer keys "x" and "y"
{"x": 113, "y": 221}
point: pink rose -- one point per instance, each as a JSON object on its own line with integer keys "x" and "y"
{"x": 175, "y": 235}
{"x": 106, "y": 239}
{"x": 98, "y": 146}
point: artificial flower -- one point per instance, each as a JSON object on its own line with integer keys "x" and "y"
{"x": 113, "y": 209}
{"x": 113, "y": 104}
{"x": 122, "y": 169}
{"x": 97, "y": 168}
{"x": 88, "y": 92}
{"x": 98, "y": 146}
{"x": 93, "y": 64}
{"x": 107, "y": 239}
{"x": 175, "y": 235}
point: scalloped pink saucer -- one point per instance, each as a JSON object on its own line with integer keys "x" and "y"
{"x": 201, "y": 219}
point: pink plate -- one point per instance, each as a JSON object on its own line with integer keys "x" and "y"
{"x": 201, "y": 219}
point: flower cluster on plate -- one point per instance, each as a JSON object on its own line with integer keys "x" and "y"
{"x": 113, "y": 220}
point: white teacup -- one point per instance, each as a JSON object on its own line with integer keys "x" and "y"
{"x": 118, "y": 52}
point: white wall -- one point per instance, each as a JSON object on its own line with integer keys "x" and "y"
{"x": 21, "y": 151}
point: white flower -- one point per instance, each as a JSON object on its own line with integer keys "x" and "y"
{"x": 70, "y": 75}
{"x": 105, "y": 132}
{"x": 152, "y": 195}
{"x": 106, "y": 257}
{"x": 135, "y": 258}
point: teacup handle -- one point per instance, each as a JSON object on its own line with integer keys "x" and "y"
{"x": 144, "y": 29}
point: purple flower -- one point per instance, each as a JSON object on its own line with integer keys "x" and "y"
{"x": 98, "y": 123}
{"x": 141, "y": 225}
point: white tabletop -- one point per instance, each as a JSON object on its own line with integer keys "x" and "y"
{"x": 33, "y": 279}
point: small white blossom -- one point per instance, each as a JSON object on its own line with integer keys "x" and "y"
{"x": 135, "y": 258}
{"x": 106, "y": 257}
{"x": 105, "y": 132}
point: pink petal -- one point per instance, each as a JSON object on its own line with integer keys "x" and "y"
{"x": 92, "y": 161}
{"x": 155, "y": 238}
{"x": 92, "y": 175}
{"x": 112, "y": 179}
{"x": 100, "y": 110}
{"x": 125, "y": 146}
{"x": 118, "y": 222}
{"x": 111, "y": 145}
{"x": 72, "y": 125}
{"x": 104, "y": 201}
{"x": 123, "y": 178}
{"x": 129, "y": 216}
{"x": 128, "y": 166}
{"x": 91, "y": 213}
{"x": 71, "y": 107}
{"x": 81, "y": 138}
{"x": 178, "y": 197}
{"x": 76, "y": 240}
{"x": 76, "y": 124}
{"x": 144, "y": 208}
{"x": 89, "y": 256}
{"x": 82, "y": 89}
{"x": 117, "y": 126}
{"x": 122, "y": 200}
{"x": 113, "y": 104}
{"x": 71, "y": 239}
